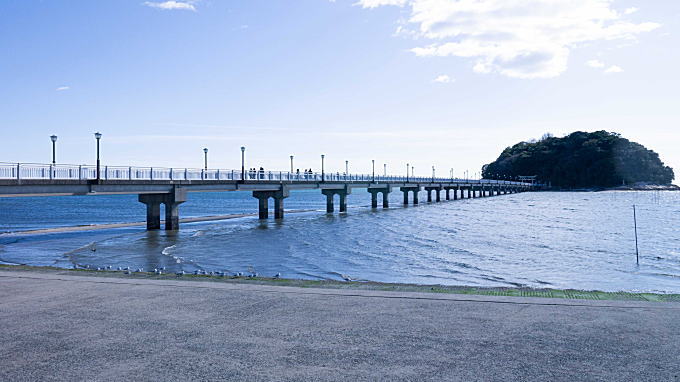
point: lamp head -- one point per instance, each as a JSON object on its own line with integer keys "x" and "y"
{"x": 53, "y": 138}
{"x": 205, "y": 150}
{"x": 243, "y": 148}
{"x": 98, "y": 135}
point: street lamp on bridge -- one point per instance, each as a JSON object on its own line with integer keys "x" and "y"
{"x": 432, "y": 174}
{"x": 346, "y": 167}
{"x": 323, "y": 173}
{"x": 205, "y": 160}
{"x": 373, "y": 164}
{"x": 385, "y": 170}
{"x": 54, "y": 149}
{"x": 291, "y": 164}
{"x": 407, "y": 167}
{"x": 98, "y": 136}
{"x": 243, "y": 163}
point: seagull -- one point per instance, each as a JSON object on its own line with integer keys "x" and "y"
{"x": 276, "y": 276}
{"x": 346, "y": 277}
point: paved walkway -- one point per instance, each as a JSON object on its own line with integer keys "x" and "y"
{"x": 65, "y": 327}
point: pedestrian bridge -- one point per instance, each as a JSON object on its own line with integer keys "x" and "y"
{"x": 169, "y": 186}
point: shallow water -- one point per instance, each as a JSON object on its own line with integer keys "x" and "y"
{"x": 542, "y": 239}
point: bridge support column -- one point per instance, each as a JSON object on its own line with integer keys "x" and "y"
{"x": 374, "y": 198}
{"x": 448, "y": 194}
{"x": 263, "y": 202}
{"x": 385, "y": 196}
{"x": 406, "y": 191}
{"x": 172, "y": 200}
{"x": 153, "y": 211}
{"x": 330, "y": 195}
{"x": 436, "y": 190}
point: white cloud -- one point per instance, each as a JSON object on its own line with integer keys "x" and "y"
{"x": 443, "y": 79}
{"x": 630, "y": 10}
{"x": 379, "y": 3}
{"x": 614, "y": 69}
{"x": 62, "y": 88}
{"x": 171, "y": 4}
{"x": 518, "y": 38}
{"x": 595, "y": 64}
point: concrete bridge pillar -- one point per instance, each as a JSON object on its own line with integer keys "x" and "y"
{"x": 436, "y": 191}
{"x": 473, "y": 191}
{"x": 385, "y": 196}
{"x": 263, "y": 202}
{"x": 455, "y": 193}
{"x": 448, "y": 193}
{"x": 330, "y": 195}
{"x": 406, "y": 191}
{"x": 374, "y": 198}
{"x": 172, "y": 200}
{"x": 153, "y": 211}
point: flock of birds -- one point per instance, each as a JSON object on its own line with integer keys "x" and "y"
{"x": 161, "y": 270}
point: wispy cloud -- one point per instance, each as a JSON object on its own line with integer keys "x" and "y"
{"x": 171, "y": 5}
{"x": 595, "y": 64}
{"x": 443, "y": 79}
{"x": 62, "y": 88}
{"x": 614, "y": 69}
{"x": 630, "y": 10}
{"x": 519, "y": 39}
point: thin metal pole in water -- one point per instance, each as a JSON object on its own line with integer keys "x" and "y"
{"x": 637, "y": 252}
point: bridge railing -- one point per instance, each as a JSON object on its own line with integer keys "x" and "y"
{"x": 37, "y": 171}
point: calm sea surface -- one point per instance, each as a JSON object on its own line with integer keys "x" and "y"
{"x": 543, "y": 239}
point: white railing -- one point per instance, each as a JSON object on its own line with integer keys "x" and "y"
{"x": 30, "y": 171}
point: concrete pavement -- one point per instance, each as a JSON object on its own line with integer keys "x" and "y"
{"x": 65, "y": 327}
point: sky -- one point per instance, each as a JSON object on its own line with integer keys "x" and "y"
{"x": 444, "y": 83}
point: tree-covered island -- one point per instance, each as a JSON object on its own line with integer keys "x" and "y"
{"x": 581, "y": 160}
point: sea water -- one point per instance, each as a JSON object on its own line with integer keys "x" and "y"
{"x": 580, "y": 240}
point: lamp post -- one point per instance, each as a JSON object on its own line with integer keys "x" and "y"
{"x": 432, "y": 174}
{"x": 98, "y": 136}
{"x": 413, "y": 171}
{"x": 243, "y": 163}
{"x": 373, "y": 165}
{"x": 385, "y": 170}
{"x": 452, "y": 174}
{"x": 291, "y": 164}
{"x": 407, "y": 167}
{"x": 323, "y": 174}
{"x": 205, "y": 152}
{"x": 346, "y": 167}
{"x": 54, "y": 149}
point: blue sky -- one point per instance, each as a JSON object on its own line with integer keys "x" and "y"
{"x": 429, "y": 82}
